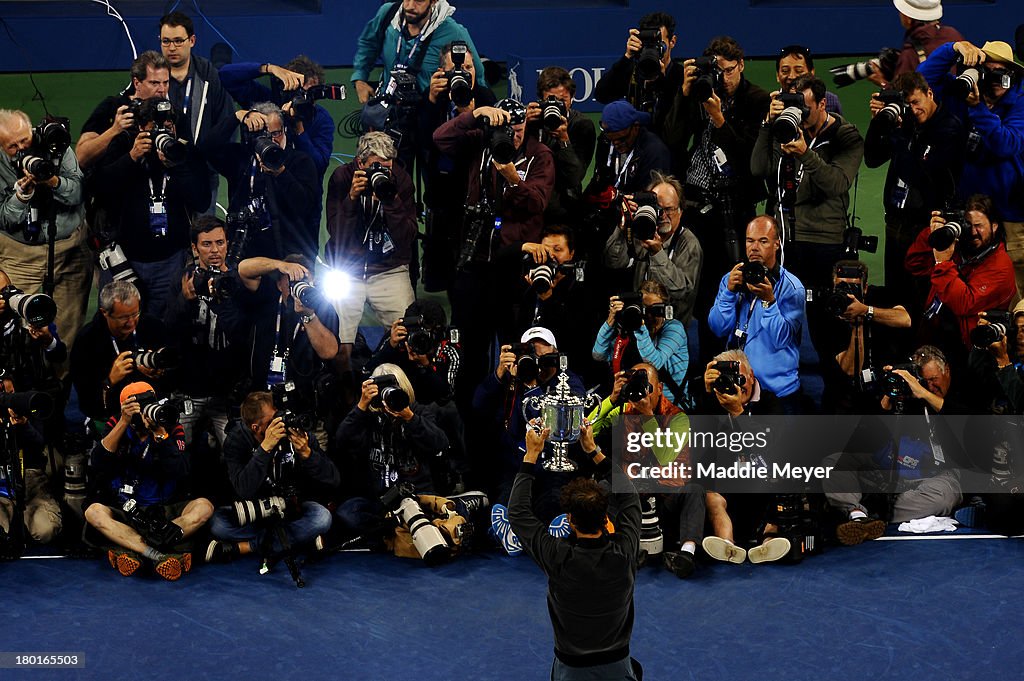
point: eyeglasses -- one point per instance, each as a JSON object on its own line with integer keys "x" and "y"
{"x": 730, "y": 70}
{"x": 121, "y": 319}
{"x": 177, "y": 42}
{"x": 669, "y": 210}
{"x": 275, "y": 134}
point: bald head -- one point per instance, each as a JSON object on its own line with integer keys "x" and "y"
{"x": 15, "y": 131}
{"x": 763, "y": 242}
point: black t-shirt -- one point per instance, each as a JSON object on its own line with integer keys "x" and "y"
{"x": 102, "y": 117}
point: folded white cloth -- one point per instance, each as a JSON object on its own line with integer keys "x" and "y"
{"x": 929, "y": 524}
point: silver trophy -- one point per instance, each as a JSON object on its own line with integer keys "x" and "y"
{"x": 563, "y": 412}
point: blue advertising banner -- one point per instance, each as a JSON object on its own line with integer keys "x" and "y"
{"x": 585, "y": 72}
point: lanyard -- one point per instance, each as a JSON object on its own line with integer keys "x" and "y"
{"x": 117, "y": 350}
{"x": 620, "y": 171}
{"x": 155, "y": 195}
{"x": 188, "y": 97}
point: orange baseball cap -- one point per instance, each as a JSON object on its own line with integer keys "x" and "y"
{"x": 136, "y": 388}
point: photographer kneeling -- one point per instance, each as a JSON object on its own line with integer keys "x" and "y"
{"x": 996, "y": 361}
{"x": 275, "y": 466}
{"x": 138, "y": 503}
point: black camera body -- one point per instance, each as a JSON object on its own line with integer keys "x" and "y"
{"x": 644, "y": 222}
{"x": 886, "y": 62}
{"x": 38, "y": 309}
{"x": 152, "y": 525}
{"x": 529, "y": 365}
{"x": 754, "y": 272}
{"x": 460, "y": 83}
{"x": 543, "y": 275}
{"x": 648, "y": 58}
{"x": 382, "y": 182}
{"x": 214, "y": 284}
{"x": 854, "y": 242}
{"x": 949, "y": 233}
{"x": 163, "y": 412}
{"x": 50, "y": 141}
{"x": 478, "y": 222}
{"x": 709, "y": 78}
{"x": 270, "y": 154}
{"x": 637, "y": 387}
{"x": 421, "y": 339}
{"x": 835, "y": 300}
{"x": 895, "y": 386}
{"x": 729, "y": 378}
{"x": 304, "y": 98}
{"x": 292, "y": 405}
{"x": 895, "y": 107}
{"x": 788, "y": 126}
{"x": 390, "y": 394}
{"x": 500, "y": 141}
{"x": 552, "y": 112}
{"x": 1000, "y": 323}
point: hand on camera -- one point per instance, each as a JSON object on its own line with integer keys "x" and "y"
{"x": 188, "y": 288}
{"x": 539, "y": 252}
{"x": 438, "y": 85}
{"x": 875, "y": 104}
{"x": 359, "y": 185}
{"x": 776, "y": 106}
{"x": 763, "y": 291}
{"x": 291, "y": 79}
{"x": 143, "y": 145}
{"x": 855, "y": 311}
{"x": 300, "y": 442}
{"x": 614, "y": 308}
{"x": 124, "y": 119}
{"x": 506, "y": 362}
{"x": 797, "y": 147}
{"x": 294, "y": 270}
{"x": 41, "y": 334}
{"x": 711, "y": 375}
{"x": 123, "y": 366}
{"x": 16, "y": 419}
{"x": 398, "y": 333}
{"x": 129, "y": 408}
{"x": 369, "y": 391}
{"x": 633, "y": 44}
{"x": 620, "y": 382}
{"x": 494, "y": 115}
{"x": 1000, "y": 349}
{"x": 713, "y": 106}
{"x": 654, "y": 244}
{"x": 274, "y": 434}
{"x": 689, "y": 75}
{"x": 937, "y": 222}
{"x": 735, "y": 282}
{"x": 972, "y": 55}
{"x": 405, "y": 414}
{"x": 363, "y": 90}
{"x": 253, "y": 121}
{"x": 273, "y": 172}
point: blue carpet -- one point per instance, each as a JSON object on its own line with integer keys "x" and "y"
{"x": 913, "y": 610}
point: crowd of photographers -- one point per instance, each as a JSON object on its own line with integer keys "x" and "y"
{"x": 233, "y": 407}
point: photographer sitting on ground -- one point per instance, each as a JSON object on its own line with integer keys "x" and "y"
{"x": 137, "y": 502}
{"x": 388, "y": 439}
{"x": 645, "y": 333}
{"x": 268, "y": 456}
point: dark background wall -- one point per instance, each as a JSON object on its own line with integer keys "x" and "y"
{"x": 60, "y": 35}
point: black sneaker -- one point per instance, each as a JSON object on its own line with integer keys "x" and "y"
{"x": 680, "y": 563}
{"x": 860, "y": 530}
{"x": 221, "y": 551}
{"x": 469, "y": 503}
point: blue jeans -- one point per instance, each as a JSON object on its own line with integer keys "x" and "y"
{"x": 315, "y": 520}
{"x": 359, "y": 515}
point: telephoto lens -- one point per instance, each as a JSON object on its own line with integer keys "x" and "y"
{"x": 307, "y": 294}
{"x": 552, "y": 113}
{"x": 945, "y": 236}
{"x": 788, "y": 126}
{"x": 644, "y": 222}
{"x": 382, "y": 182}
{"x": 270, "y": 154}
{"x": 390, "y": 394}
{"x": 648, "y": 59}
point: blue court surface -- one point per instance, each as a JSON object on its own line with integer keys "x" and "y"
{"x": 929, "y": 610}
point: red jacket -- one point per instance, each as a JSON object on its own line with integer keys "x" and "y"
{"x": 966, "y": 289}
{"x": 523, "y": 206}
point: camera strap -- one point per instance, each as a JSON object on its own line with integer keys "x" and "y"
{"x": 620, "y": 167}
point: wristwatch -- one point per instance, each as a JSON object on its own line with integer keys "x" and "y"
{"x": 870, "y": 313}
{"x": 766, "y": 303}
{"x": 306, "y": 318}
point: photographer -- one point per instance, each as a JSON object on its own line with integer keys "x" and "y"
{"x": 388, "y": 439}
{"x": 33, "y": 504}
{"x": 371, "y": 219}
{"x": 291, "y": 341}
{"x": 991, "y": 105}
{"x": 711, "y": 131}
{"x": 764, "y": 317}
{"x": 146, "y": 190}
{"x": 115, "y": 115}
{"x": 274, "y": 186}
{"x": 103, "y": 361}
{"x": 593, "y": 625}
{"x": 649, "y": 88}
{"x": 923, "y": 141}
{"x": 866, "y": 330}
{"x": 997, "y": 367}
{"x": 137, "y": 504}
{"x": 442, "y": 171}
{"x": 424, "y": 352}
{"x": 267, "y": 458}
{"x": 971, "y": 275}
{"x": 794, "y": 61}
{"x": 628, "y": 152}
{"x": 637, "y": 393}
{"x": 924, "y": 33}
{"x": 209, "y": 327}
{"x": 736, "y": 390}
{"x": 673, "y": 256}
{"x": 30, "y": 208}
{"x": 658, "y": 341}
{"x": 571, "y": 142}
{"x": 929, "y": 381}
{"x": 809, "y": 177}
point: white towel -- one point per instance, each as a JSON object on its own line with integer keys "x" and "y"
{"x": 929, "y": 524}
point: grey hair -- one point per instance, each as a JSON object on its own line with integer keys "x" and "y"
{"x": 403, "y": 381}
{"x": 658, "y": 178}
{"x": 123, "y": 292}
{"x": 10, "y": 119}
{"x": 929, "y": 353}
{"x": 376, "y": 144}
{"x": 735, "y": 356}
{"x": 268, "y": 109}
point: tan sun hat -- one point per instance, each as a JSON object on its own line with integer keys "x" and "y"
{"x": 997, "y": 50}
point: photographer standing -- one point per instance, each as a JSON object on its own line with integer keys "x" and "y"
{"x": 146, "y": 190}
{"x": 652, "y": 87}
{"x": 999, "y": 366}
{"x": 923, "y": 141}
{"x": 371, "y": 217}
{"x": 992, "y": 107}
{"x": 760, "y": 310}
{"x": 30, "y": 208}
{"x": 267, "y": 458}
{"x": 273, "y": 187}
{"x": 138, "y": 504}
{"x": 424, "y": 352}
{"x": 972, "y": 274}
{"x": 711, "y": 131}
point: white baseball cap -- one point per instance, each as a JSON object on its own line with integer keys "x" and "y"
{"x": 539, "y": 332}
{"x": 922, "y": 10}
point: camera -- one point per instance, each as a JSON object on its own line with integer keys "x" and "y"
{"x": 420, "y": 339}
{"x": 543, "y": 275}
{"x": 637, "y": 386}
{"x": 501, "y": 139}
{"x": 152, "y": 525}
{"x": 895, "y": 107}
{"x": 306, "y": 293}
{"x": 709, "y": 78}
{"x": 162, "y": 412}
{"x": 29, "y": 402}
{"x": 648, "y": 58}
{"x": 754, "y": 272}
{"x": 478, "y": 222}
{"x": 966, "y": 80}
{"x": 294, "y": 408}
{"x": 854, "y": 242}
{"x": 552, "y": 113}
{"x": 294, "y": 421}
{"x": 729, "y": 378}
{"x": 998, "y": 77}
{"x": 38, "y": 309}
{"x": 389, "y": 394}
{"x": 529, "y": 365}
{"x": 948, "y": 234}
{"x": 382, "y": 182}
{"x": 835, "y": 300}
{"x": 644, "y": 221}
{"x": 50, "y": 140}
{"x": 984, "y": 335}
{"x": 214, "y": 283}
{"x": 886, "y": 61}
{"x": 162, "y": 359}
{"x": 894, "y": 385}
{"x": 460, "y": 83}
{"x": 164, "y": 140}
{"x": 403, "y": 504}
{"x": 304, "y": 98}
{"x": 268, "y": 151}
{"x": 112, "y": 258}
{"x": 788, "y": 126}
{"x": 248, "y": 512}
{"x": 631, "y": 317}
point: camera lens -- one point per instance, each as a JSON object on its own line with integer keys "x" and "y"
{"x": 966, "y": 82}
{"x": 460, "y": 89}
{"x": 786, "y": 128}
{"x": 945, "y": 236}
{"x": 985, "y": 335}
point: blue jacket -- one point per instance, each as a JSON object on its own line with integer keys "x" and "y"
{"x": 240, "y": 80}
{"x": 997, "y": 167}
{"x": 370, "y": 47}
{"x": 668, "y": 351}
{"x": 773, "y": 333}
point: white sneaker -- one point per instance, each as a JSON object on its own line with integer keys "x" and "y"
{"x": 723, "y": 550}
{"x": 772, "y": 550}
